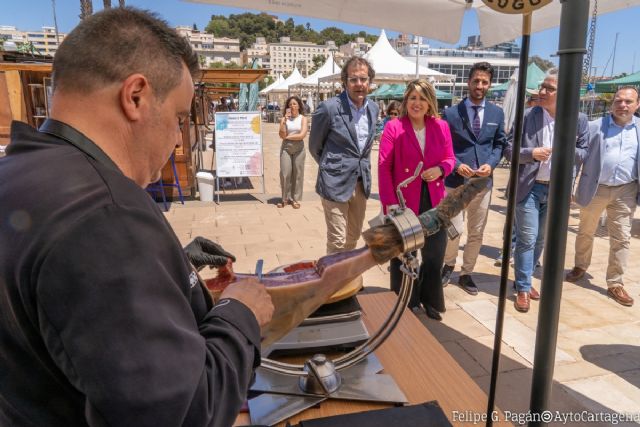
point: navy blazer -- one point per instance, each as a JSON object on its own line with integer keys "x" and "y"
{"x": 333, "y": 144}
{"x": 485, "y": 149}
{"x": 532, "y": 138}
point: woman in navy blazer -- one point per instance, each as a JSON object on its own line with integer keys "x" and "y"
{"x": 418, "y": 135}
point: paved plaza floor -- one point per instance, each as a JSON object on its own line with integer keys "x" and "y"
{"x": 598, "y": 351}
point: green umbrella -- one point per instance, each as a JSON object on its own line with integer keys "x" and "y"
{"x": 610, "y": 86}
{"x": 253, "y": 92}
{"x": 535, "y": 76}
{"x": 376, "y": 93}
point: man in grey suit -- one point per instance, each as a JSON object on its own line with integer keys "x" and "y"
{"x": 340, "y": 142}
{"x": 609, "y": 180}
{"x": 532, "y": 188}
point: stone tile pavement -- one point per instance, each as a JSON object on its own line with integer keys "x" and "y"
{"x": 598, "y": 350}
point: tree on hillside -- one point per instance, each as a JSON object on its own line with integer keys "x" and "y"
{"x": 544, "y": 64}
{"x": 121, "y": 3}
{"x": 86, "y": 8}
{"x": 335, "y": 34}
{"x": 318, "y": 61}
{"x": 107, "y": 4}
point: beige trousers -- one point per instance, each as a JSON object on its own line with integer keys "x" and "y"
{"x": 292, "y": 154}
{"x": 344, "y": 221}
{"x": 475, "y": 214}
{"x": 620, "y": 203}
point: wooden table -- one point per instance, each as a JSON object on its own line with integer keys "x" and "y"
{"x": 419, "y": 364}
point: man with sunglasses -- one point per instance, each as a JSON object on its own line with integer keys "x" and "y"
{"x": 532, "y": 186}
{"x": 340, "y": 142}
{"x": 609, "y": 180}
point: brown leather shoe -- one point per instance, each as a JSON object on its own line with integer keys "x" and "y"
{"x": 620, "y": 296}
{"x": 534, "y": 294}
{"x": 522, "y": 302}
{"x": 574, "y": 275}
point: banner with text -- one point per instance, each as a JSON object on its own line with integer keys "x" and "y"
{"x": 238, "y": 144}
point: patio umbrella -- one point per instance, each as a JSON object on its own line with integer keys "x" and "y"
{"x": 243, "y": 97}
{"x": 443, "y": 22}
{"x": 509, "y": 103}
{"x": 253, "y": 92}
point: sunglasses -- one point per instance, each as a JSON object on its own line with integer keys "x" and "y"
{"x": 548, "y": 88}
{"x": 393, "y": 113}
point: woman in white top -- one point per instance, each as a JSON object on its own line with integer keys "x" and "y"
{"x": 293, "y": 129}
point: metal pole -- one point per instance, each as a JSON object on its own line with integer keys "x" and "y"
{"x": 573, "y": 35}
{"x": 511, "y": 207}
{"x": 55, "y": 23}
{"x": 613, "y": 62}
{"x": 417, "y": 56}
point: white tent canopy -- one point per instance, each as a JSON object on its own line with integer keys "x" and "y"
{"x": 327, "y": 69}
{"x": 294, "y": 78}
{"x": 391, "y": 67}
{"x": 268, "y": 89}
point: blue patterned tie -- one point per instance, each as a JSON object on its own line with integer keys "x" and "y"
{"x": 475, "y": 125}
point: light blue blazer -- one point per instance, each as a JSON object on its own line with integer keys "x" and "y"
{"x": 592, "y": 166}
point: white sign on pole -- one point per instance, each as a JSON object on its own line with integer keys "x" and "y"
{"x": 238, "y": 144}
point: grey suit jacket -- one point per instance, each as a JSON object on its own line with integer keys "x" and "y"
{"x": 532, "y": 136}
{"x": 333, "y": 144}
{"x": 592, "y": 167}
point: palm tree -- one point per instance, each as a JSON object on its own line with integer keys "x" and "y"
{"x": 86, "y": 8}
{"x": 107, "y": 4}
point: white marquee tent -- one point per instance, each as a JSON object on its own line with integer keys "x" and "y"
{"x": 391, "y": 67}
{"x": 328, "y": 68}
{"x": 294, "y": 78}
{"x": 267, "y": 89}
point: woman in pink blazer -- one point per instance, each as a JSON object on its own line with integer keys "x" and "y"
{"x": 418, "y": 135}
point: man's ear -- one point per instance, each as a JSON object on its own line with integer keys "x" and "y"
{"x": 135, "y": 95}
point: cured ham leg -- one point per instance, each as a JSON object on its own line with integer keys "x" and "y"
{"x": 301, "y": 291}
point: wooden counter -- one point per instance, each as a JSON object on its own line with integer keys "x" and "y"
{"x": 419, "y": 364}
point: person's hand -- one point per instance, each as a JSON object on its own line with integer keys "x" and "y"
{"x": 465, "y": 171}
{"x": 541, "y": 154}
{"x": 202, "y": 252}
{"x": 484, "y": 170}
{"x": 432, "y": 174}
{"x": 254, "y": 295}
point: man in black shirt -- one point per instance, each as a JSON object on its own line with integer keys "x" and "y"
{"x": 102, "y": 318}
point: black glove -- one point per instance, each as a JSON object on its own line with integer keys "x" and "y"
{"x": 202, "y": 252}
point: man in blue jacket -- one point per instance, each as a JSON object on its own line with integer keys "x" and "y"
{"x": 477, "y": 133}
{"x": 609, "y": 180}
{"x": 340, "y": 142}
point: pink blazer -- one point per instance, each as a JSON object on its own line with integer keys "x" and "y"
{"x": 400, "y": 154}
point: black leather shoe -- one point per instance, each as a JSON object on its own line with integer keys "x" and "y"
{"x": 432, "y": 313}
{"x": 446, "y": 274}
{"x": 466, "y": 282}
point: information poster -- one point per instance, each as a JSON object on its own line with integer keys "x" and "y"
{"x": 238, "y": 144}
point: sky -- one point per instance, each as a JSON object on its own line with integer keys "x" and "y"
{"x": 33, "y": 14}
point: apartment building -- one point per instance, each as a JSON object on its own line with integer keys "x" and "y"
{"x": 458, "y": 61}
{"x": 285, "y": 55}
{"x": 44, "y": 42}
{"x": 355, "y": 48}
{"x": 259, "y": 52}
{"x": 211, "y": 49}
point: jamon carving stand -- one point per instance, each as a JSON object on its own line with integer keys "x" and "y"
{"x": 289, "y": 389}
